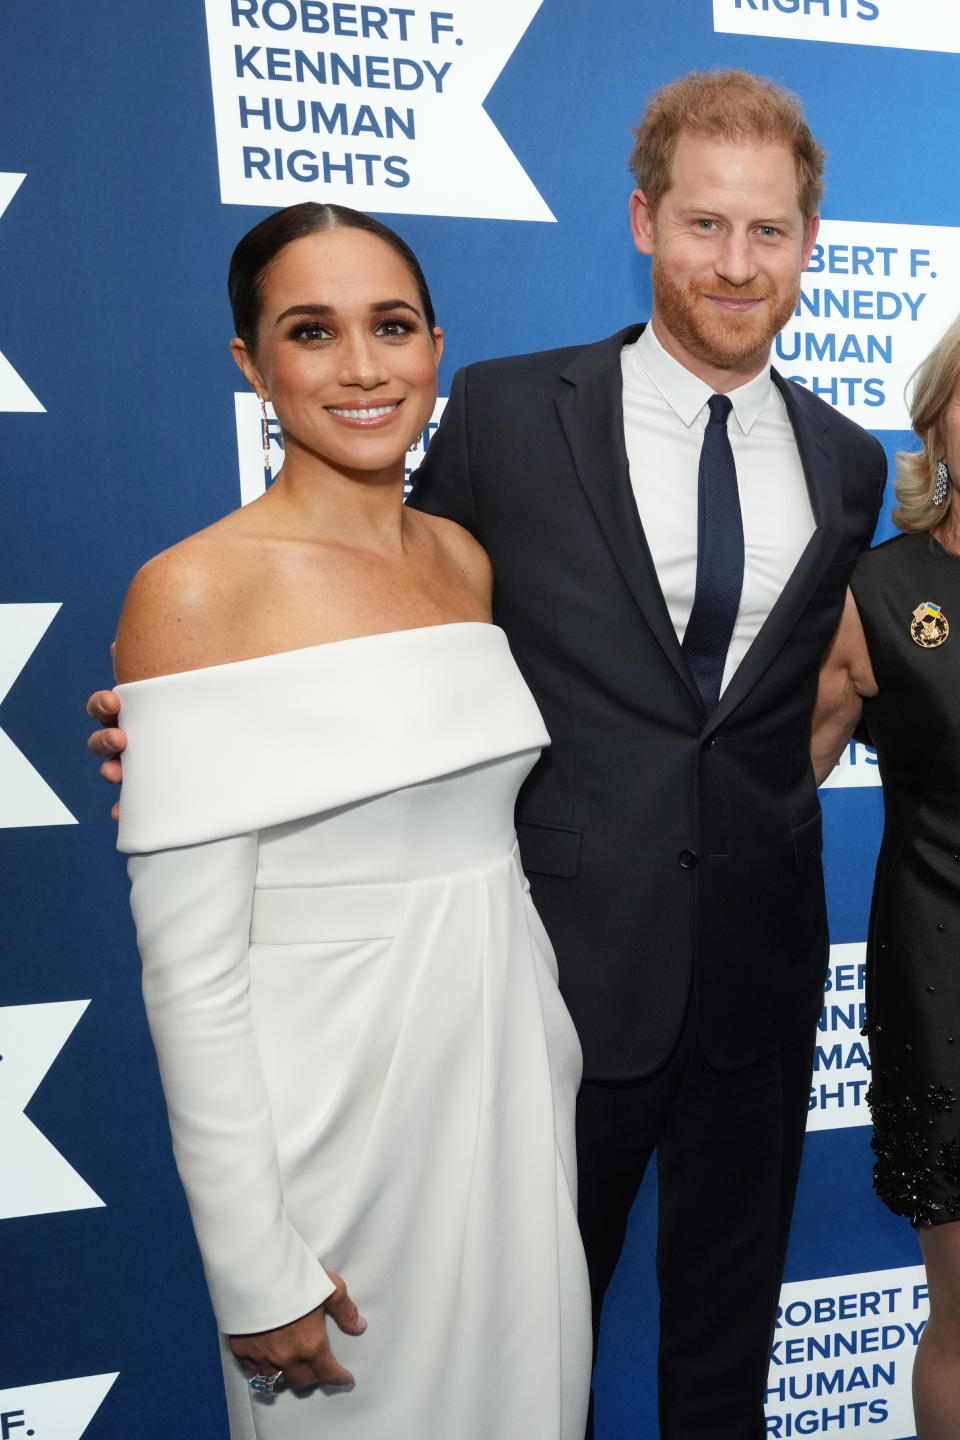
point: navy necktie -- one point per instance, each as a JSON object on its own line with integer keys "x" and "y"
{"x": 719, "y": 558}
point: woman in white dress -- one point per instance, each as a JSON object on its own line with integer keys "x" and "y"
{"x": 368, "y": 1067}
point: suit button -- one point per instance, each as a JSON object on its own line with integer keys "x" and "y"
{"x": 688, "y": 859}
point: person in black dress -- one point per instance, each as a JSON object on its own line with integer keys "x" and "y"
{"x": 894, "y": 666}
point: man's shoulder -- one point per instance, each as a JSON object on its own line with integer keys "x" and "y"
{"x": 815, "y": 409}
{"x": 534, "y": 362}
{"x": 537, "y": 366}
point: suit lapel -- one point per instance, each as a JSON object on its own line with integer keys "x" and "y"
{"x": 824, "y": 486}
{"x": 590, "y": 409}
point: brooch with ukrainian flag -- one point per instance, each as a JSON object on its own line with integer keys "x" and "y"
{"x": 929, "y": 626}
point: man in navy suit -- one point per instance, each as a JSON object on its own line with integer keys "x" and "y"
{"x": 672, "y": 525}
{"x": 672, "y": 830}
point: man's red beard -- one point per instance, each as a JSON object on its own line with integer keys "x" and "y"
{"x": 721, "y": 338}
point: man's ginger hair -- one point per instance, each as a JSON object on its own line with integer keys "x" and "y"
{"x": 725, "y": 105}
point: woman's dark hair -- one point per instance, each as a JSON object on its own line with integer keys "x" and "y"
{"x": 261, "y": 246}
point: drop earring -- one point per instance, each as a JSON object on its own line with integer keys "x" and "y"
{"x": 416, "y": 443}
{"x": 942, "y": 485}
{"x": 265, "y": 437}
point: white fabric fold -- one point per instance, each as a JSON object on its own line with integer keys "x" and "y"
{"x": 365, "y": 1055}
{"x": 233, "y": 748}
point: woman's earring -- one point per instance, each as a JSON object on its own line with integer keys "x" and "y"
{"x": 941, "y": 487}
{"x": 416, "y": 443}
{"x": 265, "y": 437}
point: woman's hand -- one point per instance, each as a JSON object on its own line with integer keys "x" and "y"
{"x": 301, "y": 1349}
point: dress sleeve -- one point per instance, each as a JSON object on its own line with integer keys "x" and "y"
{"x": 192, "y": 911}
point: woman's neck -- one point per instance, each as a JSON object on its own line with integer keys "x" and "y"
{"x": 354, "y": 508}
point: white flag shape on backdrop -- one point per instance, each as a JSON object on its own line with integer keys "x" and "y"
{"x": 891, "y": 24}
{"x": 330, "y": 103}
{"x": 25, "y": 798}
{"x": 61, "y": 1410}
{"x": 14, "y": 393}
{"x": 36, "y": 1179}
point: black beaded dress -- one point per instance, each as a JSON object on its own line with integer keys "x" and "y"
{"x": 908, "y": 595}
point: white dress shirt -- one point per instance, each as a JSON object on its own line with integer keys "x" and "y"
{"x": 664, "y": 416}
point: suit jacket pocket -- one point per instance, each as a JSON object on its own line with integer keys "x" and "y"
{"x": 808, "y": 842}
{"x": 549, "y": 849}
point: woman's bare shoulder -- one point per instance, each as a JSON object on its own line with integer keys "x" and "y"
{"x": 462, "y": 549}
{"x": 184, "y": 606}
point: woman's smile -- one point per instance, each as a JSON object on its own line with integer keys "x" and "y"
{"x": 365, "y": 413}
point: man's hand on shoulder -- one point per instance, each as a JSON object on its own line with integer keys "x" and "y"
{"x": 108, "y": 742}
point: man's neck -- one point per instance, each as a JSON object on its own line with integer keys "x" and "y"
{"x": 720, "y": 380}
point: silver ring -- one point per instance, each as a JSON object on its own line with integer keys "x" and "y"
{"x": 264, "y": 1384}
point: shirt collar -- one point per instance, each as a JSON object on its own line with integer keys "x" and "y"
{"x": 687, "y": 394}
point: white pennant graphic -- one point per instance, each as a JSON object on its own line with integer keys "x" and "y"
{"x": 893, "y": 24}
{"x": 35, "y": 1179}
{"x": 379, "y": 108}
{"x": 60, "y": 1410}
{"x": 25, "y": 798}
{"x": 14, "y": 394}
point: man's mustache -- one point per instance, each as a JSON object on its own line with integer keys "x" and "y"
{"x": 723, "y": 290}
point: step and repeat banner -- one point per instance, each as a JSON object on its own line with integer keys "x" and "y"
{"x": 138, "y": 142}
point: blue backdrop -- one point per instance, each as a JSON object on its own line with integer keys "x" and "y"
{"x": 120, "y": 435}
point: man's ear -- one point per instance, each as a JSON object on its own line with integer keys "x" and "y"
{"x": 641, "y": 222}
{"x": 810, "y": 239}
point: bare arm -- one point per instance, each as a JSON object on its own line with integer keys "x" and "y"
{"x": 159, "y": 633}
{"x": 846, "y": 680}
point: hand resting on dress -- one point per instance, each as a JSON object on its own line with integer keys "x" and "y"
{"x": 301, "y": 1349}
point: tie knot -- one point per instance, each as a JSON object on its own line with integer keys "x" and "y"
{"x": 720, "y": 407}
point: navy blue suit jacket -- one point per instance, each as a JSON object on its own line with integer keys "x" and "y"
{"x": 665, "y": 847}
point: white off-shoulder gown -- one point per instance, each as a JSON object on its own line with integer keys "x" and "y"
{"x": 366, "y": 1059}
